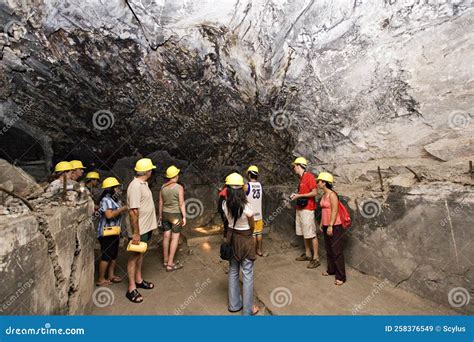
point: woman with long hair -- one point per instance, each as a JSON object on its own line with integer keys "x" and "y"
{"x": 110, "y": 211}
{"x": 332, "y": 229}
{"x": 172, "y": 214}
{"x": 240, "y": 235}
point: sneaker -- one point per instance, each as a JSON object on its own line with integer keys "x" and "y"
{"x": 314, "y": 263}
{"x": 303, "y": 257}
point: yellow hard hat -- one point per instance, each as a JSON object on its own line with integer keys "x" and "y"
{"x": 234, "y": 179}
{"x": 110, "y": 182}
{"x": 92, "y": 175}
{"x": 325, "y": 176}
{"x": 300, "y": 160}
{"x": 144, "y": 164}
{"x": 77, "y": 164}
{"x": 172, "y": 171}
{"x": 63, "y": 166}
{"x": 252, "y": 168}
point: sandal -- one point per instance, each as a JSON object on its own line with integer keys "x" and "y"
{"x": 134, "y": 296}
{"x": 172, "y": 268}
{"x": 147, "y": 285}
{"x": 104, "y": 283}
{"x": 314, "y": 263}
{"x": 166, "y": 263}
{"x": 116, "y": 280}
{"x": 303, "y": 257}
{"x": 255, "y": 311}
{"x": 339, "y": 282}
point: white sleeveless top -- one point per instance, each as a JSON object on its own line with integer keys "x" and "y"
{"x": 254, "y": 198}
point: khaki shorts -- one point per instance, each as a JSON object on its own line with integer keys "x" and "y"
{"x": 305, "y": 223}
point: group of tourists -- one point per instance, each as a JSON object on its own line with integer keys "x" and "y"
{"x": 240, "y": 206}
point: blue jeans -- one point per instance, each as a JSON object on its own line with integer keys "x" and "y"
{"x": 235, "y": 297}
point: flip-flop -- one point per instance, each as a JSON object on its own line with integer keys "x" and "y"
{"x": 104, "y": 283}
{"x": 116, "y": 280}
{"x": 339, "y": 282}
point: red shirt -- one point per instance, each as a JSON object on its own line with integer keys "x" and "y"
{"x": 307, "y": 183}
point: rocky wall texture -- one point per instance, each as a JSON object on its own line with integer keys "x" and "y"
{"x": 47, "y": 262}
{"x": 233, "y": 82}
{"x": 416, "y": 235}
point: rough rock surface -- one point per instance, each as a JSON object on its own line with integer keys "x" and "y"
{"x": 22, "y": 183}
{"x": 47, "y": 262}
{"x": 228, "y": 82}
{"x": 418, "y": 235}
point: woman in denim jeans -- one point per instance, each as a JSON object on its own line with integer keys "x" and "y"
{"x": 240, "y": 233}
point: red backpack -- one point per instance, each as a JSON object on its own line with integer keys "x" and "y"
{"x": 344, "y": 215}
{"x": 343, "y": 212}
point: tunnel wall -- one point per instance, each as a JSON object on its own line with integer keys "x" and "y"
{"x": 419, "y": 238}
{"x": 47, "y": 262}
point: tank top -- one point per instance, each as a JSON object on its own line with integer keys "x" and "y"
{"x": 254, "y": 198}
{"x": 326, "y": 211}
{"x": 170, "y": 194}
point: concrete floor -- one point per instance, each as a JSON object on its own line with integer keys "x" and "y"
{"x": 282, "y": 287}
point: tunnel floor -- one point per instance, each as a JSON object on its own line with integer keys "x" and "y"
{"x": 282, "y": 286}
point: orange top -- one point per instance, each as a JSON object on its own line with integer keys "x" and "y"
{"x": 326, "y": 212}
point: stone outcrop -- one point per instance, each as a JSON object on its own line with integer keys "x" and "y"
{"x": 47, "y": 261}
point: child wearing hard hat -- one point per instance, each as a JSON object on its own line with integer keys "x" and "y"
{"x": 254, "y": 191}
{"x": 92, "y": 183}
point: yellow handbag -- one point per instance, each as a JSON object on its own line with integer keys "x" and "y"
{"x": 140, "y": 248}
{"x": 108, "y": 231}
